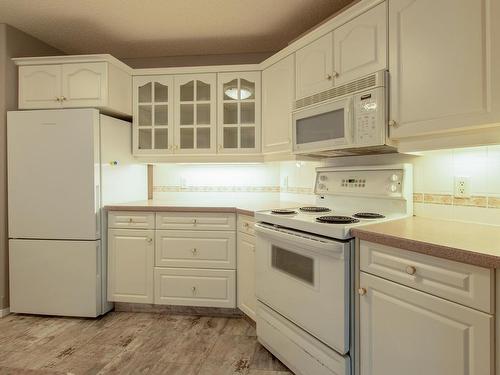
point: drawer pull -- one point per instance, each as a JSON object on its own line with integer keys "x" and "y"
{"x": 361, "y": 291}
{"x": 130, "y": 220}
{"x": 193, "y": 289}
{"x": 246, "y": 225}
{"x": 194, "y": 221}
{"x": 194, "y": 251}
{"x": 410, "y": 270}
{"x": 149, "y": 239}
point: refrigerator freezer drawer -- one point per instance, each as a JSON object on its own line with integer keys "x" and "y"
{"x": 55, "y": 277}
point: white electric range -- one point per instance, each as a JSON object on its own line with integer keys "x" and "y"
{"x": 304, "y": 264}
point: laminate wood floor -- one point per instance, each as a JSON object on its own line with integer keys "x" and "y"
{"x": 133, "y": 343}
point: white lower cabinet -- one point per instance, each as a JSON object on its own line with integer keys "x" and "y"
{"x": 405, "y": 331}
{"x": 247, "y": 300}
{"x": 195, "y": 287}
{"x": 130, "y": 265}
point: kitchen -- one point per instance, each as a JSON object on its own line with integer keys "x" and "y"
{"x": 321, "y": 197}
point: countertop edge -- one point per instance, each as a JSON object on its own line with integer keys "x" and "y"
{"x": 237, "y": 210}
{"x": 432, "y": 249}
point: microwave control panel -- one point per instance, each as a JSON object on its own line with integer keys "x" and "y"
{"x": 369, "y": 117}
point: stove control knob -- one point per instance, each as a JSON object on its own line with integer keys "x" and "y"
{"x": 394, "y": 178}
{"x": 393, "y": 188}
{"x": 323, "y": 178}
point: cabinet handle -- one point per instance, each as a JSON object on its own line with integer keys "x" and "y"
{"x": 194, "y": 251}
{"x": 335, "y": 74}
{"x": 149, "y": 239}
{"x": 58, "y": 99}
{"x": 246, "y": 225}
{"x": 63, "y": 98}
{"x": 193, "y": 289}
{"x": 194, "y": 221}
{"x": 130, "y": 220}
{"x": 219, "y": 147}
{"x": 361, "y": 291}
{"x": 410, "y": 270}
{"x": 329, "y": 77}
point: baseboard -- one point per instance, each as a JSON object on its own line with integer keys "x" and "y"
{"x": 4, "y": 312}
{"x": 178, "y": 310}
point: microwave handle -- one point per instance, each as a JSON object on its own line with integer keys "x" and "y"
{"x": 349, "y": 120}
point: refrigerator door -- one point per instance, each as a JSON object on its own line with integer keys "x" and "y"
{"x": 54, "y": 174}
{"x": 55, "y": 277}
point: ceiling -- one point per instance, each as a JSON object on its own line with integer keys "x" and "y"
{"x": 152, "y": 28}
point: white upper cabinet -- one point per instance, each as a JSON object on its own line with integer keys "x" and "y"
{"x": 278, "y": 94}
{"x": 99, "y": 84}
{"x": 314, "y": 67}
{"x": 153, "y": 115}
{"x": 239, "y": 112}
{"x": 444, "y": 62}
{"x": 360, "y": 45}
{"x": 84, "y": 85}
{"x": 40, "y": 86}
{"x": 195, "y": 113}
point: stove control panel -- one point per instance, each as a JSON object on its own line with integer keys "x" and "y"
{"x": 380, "y": 182}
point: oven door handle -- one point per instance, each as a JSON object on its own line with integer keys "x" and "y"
{"x": 325, "y": 245}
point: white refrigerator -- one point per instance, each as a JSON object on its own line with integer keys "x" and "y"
{"x": 63, "y": 167}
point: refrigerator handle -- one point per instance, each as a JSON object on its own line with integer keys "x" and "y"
{"x": 98, "y": 209}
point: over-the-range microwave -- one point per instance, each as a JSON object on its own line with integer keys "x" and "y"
{"x": 350, "y": 119}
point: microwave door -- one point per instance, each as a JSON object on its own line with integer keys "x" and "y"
{"x": 324, "y": 127}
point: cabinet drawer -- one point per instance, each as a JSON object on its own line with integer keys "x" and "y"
{"x": 137, "y": 220}
{"x": 246, "y": 224}
{"x": 196, "y": 220}
{"x": 195, "y": 287}
{"x": 463, "y": 283}
{"x": 199, "y": 249}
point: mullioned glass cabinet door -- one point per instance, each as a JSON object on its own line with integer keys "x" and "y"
{"x": 239, "y": 112}
{"x": 153, "y": 115}
{"x": 195, "y": 113}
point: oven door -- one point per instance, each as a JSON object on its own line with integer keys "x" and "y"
{"x": 306, "y": 279}
{"x": 326, "y": 127}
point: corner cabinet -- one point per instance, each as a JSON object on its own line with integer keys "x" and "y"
{"x": 195, "y": 113}
{"x": 444, "y": 66}
{"x": 239, "y": 112}
{"x": 153, "y": 121}
{"x": 100, "y": 85}
{"x": 278, "y": 94}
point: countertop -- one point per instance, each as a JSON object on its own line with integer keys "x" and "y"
{"x": 240, "y": 206}
{"x": 475, "y": 244}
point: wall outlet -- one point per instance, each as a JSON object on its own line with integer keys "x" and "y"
{"x": 462, "y": 186}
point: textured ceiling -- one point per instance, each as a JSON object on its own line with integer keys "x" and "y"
{"x": 150, "y": 28}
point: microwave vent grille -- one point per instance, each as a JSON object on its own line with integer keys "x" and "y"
{"x": 349, "y": 88}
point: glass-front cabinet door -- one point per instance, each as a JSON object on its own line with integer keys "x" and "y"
{"x": 195, "y": 113}
{"x": 239, "y": 113}
{"x": 153, "y": 114}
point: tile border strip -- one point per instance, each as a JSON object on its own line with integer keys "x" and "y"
{"x": 481, "y": 201}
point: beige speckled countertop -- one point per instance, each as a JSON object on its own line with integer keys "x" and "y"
{"x": 463, "y": 242}
{"x": 240, "y": 206}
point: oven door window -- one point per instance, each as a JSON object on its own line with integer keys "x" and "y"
{"x": 293, "y": 264}
{"x": 322, "y": 127}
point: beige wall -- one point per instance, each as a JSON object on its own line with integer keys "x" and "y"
{"x": 13, "y": 43}
{"x": 172, "y": 61}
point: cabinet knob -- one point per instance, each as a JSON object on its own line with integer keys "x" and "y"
{"x": 361, "y": 291}
{"x": 219, "y": 147}
{"x": 246, "y": 225}
{"x": 329, "y": 77}
{"x": 63, "y": 98}
{"x": 393, "y": 123}
{"x": 130, "y": 220}
{"x": 194, "y": 221}
{"x": 58, "y": 99}
{"x": 194, "y": 251}
{"x": 410, "y": 270}
{"x": 193, "y": 289}
{"x": 149, "y": 239}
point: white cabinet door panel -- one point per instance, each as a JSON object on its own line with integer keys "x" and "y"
{"x": 85, "y": 85}
{"x": 314, "y": 67}
{"x": 444, "y": 62}
{"x": 40, "y": 86}
{"x": 277, "y": 104}
{"x": 198, "y": 249}
{"x": 247, "y": 300}
{"x": 404, "y": 331}
{"x": 130, "y": 265}
{"x": 360, "y": 46}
